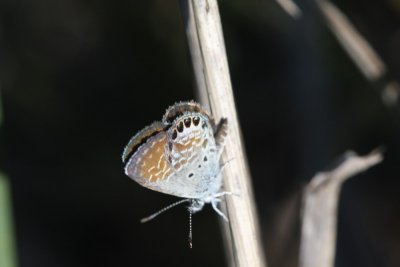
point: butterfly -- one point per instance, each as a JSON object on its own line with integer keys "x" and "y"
{"x": 180, "y": 156}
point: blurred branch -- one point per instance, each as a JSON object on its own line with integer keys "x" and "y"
{"x": 318, "y": 234}
{"x": 352, "y": 41}
{"x": 7, "y": 246}
{"x": 291, "y": 8}
{"x": 391, "y": 93}
{"x": 359, "y": 50}
{"x": 204, "y": 31}
{"x": 356, "y": 46}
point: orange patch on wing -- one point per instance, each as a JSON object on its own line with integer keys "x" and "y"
{"x": 140, "y": 138}
{"x": 193, "y": 142}
{"x": 153, "y": 165}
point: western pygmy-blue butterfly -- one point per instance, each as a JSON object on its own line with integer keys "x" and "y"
{"x": 180, "y": 156}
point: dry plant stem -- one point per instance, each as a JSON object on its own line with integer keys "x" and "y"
{"x": 204, "y": 28}
{"x": 352, "y": 41}
{"x": 291, "y": 8}
{"x": 195, "y": 52}
{"x": 356, "y": 46}
{"x": 359, "y": 50}
{"x": 318, "y": 234}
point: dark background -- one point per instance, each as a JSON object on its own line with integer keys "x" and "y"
{"x": 79, "y": 78}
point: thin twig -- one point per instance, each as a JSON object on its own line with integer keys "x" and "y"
{"x": 359, "y": 50}
{"x": 352, "y": 41}
{"x": 318, "y": 235}
{"x": 291, "y": 8}
{"x": 195, "y": 51}
{"x": 204, "y": 31}
{"x": 356, "y": 46}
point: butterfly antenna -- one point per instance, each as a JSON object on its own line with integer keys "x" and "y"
{"x": 152, "y": 216}
{"x": 190, "y": 229}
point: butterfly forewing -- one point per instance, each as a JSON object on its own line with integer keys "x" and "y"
{"x": 148, "y": 165}
{"x": 141, "y": 138}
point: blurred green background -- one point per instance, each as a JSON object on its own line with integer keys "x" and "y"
{"x": 79, "y": 78}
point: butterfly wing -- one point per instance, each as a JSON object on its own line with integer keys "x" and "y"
{"x": 148, "y": 165}
{"x": 140, "y": 138}
{"x": 193, "y": 156}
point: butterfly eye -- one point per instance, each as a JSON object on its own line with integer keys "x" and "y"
{"x": 196, "y": 121}
{"x": 180, "y": 127}
{"x": 187, "y": 122}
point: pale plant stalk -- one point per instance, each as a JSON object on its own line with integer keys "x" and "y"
{"x": 359, "y": 50}
{"x": 206, "y": 43}
{"x": 357, "y": 47}
{"x": 320, "y": 201}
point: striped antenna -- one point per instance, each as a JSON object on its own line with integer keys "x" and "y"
{"x": 152, "y": 216}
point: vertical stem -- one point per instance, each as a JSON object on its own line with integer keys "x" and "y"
{"x": 195, "y": 51}
{"x": 318, "y": 238}
{"x": 7, "y": 246}
{"x": 320, "y": 201}
{"x": 204, "y": 33}
{"x": 360, "y": 51}
{"x": 356, "y": 46}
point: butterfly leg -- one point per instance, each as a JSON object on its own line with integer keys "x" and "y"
{"x": 215, "y": 200}
{"x": 214, "y": 204}
{"x": 224, "y": 193}
{"x": 220, "y": 134}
